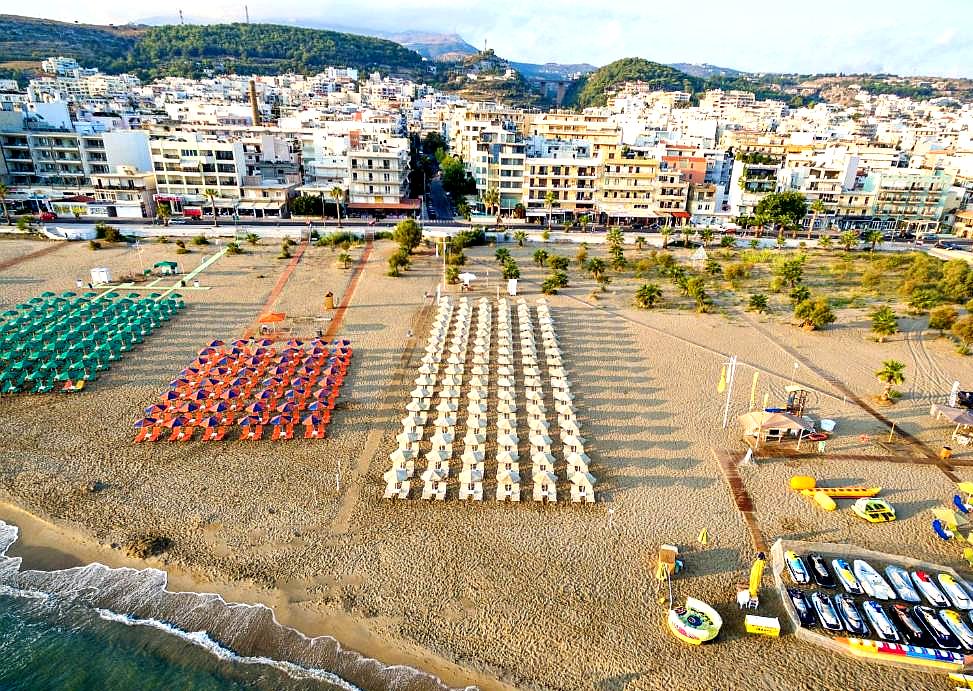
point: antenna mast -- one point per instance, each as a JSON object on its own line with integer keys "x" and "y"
{"x": 246, "y": 11}
{"x": 181, "y": 22}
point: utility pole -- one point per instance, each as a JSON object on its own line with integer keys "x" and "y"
{"x": 246, "y": 12}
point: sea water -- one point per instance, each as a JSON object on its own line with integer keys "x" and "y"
{"x": 98, "y": 628}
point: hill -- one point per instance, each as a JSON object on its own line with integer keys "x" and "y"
{"x": 552, "y": 70}
{"x": 705, "y": 70}
{"x": 434, "y": 46}
{"x": 594, "y": 89}
{"x": 189, "y": 50}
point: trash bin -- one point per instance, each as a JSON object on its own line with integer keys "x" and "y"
{"x": 945, "y": 452}
{"x": 329, "y": 301}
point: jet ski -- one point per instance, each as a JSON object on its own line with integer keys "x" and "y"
{"x": 899, "y": 578}
{"x": 880, "y": 621}
{"x": 911, "y": 630}
{"x": 797, "y": 568}
{"x": 943, "y": 637}
{"x": 846, "y": 577}
{"x": 955, "y": 591}
{"x": 826, "y": 612}
{"x": 960, "y": 629}
{"x": 820, "y": 573}
{"x": 850, "y": 615}
{"x": 928, "y": 589}
{"x": 871, "y": 581}
{"x": 804, "y": 611}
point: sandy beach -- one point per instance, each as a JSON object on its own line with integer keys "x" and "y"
{"x": 500, "y": 596}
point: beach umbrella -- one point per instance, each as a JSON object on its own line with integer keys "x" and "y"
{"x": 211, "y": 421}
{"x": 421, "y": 392}
{"x": 231, "y": 393}
{"x": 539, "y": 439}
{"x": 474, "y": 439}
{"x": 476, "y": 423}
{"x": 311, "y": 420}
{"x": 317, "y": 405}
{"x": 287, "y": 407}
{"x": 476, "y": 395}
{"x": 542, "y": 477}
{"x": 425, "y": 380}
{"x": 442, "y": 439}
{"x": 563, "y": 395}
{"x": 145, "y": 422}
{"x": 198, "y": 395}
{"x": 447, "y": 406}
{"x": 571, "y": 441}
{"x": 506, "y": 457}
{"x": 542, "y": 458}
{"x": 505, "y": 476}
{"x": 570, "y": 426}
{"x": 256, "y": 408}
{"x": 454, "y": 369}
{"x": 432, "y": 475}
{"x": 408, "y": 437}
{"x": 505, "y": 395}
{"x": 427, "y": 369}
{"x": 171, "y": 396}
{"x": 449, "y": 392}
{"x": 507, "y": 440}
{"x": 476, "y": 408}
{"x": 250, "y": 421}
{"x": 445, "y": 420}
{"x": 578, "y": 458}
{"x": 437, "y": 456}
{"x": 155, "y": 409}
{"x": 415, "y": 406}
{"x": 470, "y": 475}
{"x": 538, "y": 424}
{"x": 395, "y": 475}
{"x": 472, "y": 456}
{"x": 178, "y": 383}
{"x": 408, "y": 422}
{"x": 401, "y": 456}
{"x": 507, "y": 407}
{"x": 189, "y": 407}
{"x": 178, "y": 421}
{"x": 534, "y": 395}
{"x": 583, "y": 478}
{"x": 507, "y": 424}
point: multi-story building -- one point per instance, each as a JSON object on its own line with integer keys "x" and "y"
{"x": 380, "y": 177}
{"x": 127, "y": 193}
{"x": 565, "y": 170}
{"x": 188, "y": 166}
{"x": 753, "y": 177}
{"x": 497, "y": 162}
{"x": 626, "y": 188}
{"x": 598, "y": 130}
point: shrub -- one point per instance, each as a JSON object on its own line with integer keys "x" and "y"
{"x": 399, "y": 260}
{"x": 452, "y": 275}
{"x": 549, "y": 286}
{"x": 737, "y": 271}
{"x": 200, "y": 240}
{"x": 884, "y": 322}
{"x": 814, "y": 313}
{"x": 253, "y": 238}
{"x": 162, "y": 240}
{"x": 560, "y": 279}
{"x": 94, "y": 245}
{"x": 181, "y": 250}
{"x": 510, "y": 269}
{"x": 714, "y": 268}
{"x": 924, "y": 299}
{"x": 963, "y": 330}
{"x": 758, "y": 303}
{"x": 457, "y": 258}
{"x": 233, "y": 248}
{"x": 556, "y": 262}
{"x": 540, "y": 257}
{"x": 727, "y": 241}
{"x": 647, "y": 296}
{"x": 942, "y": 318}
{"x": 799, "y": 294}
{"x": 582, "y": 255}
{"x": 502, "y": 255}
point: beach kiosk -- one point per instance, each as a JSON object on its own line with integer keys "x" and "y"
{"x": 166, "y": 268}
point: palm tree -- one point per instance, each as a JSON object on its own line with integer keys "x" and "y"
{"x": 874, "y": 237}
{"x": 647, "y": 296}
{"x": 892, "y": 374}
{"x": 520, "y": 236}
{"x": 338, "y": 195}
{"x": 848, "y": 240}
{"x": 706, "y": 235}
{"x": 597, "y": 268}
{"x": 4, "y": 191}
{"x": 639, "y": 242}
{"x": 884, "y": 322}
{"x": 491, "y": 201}
{"x": 817, "y": 208}
{"x": 344, "y": 258}
{"x": 210, "y": 194}
{"x": 666, "y": 233}
{"x": 163, "y": 212}
{"x": 549, "y": 201}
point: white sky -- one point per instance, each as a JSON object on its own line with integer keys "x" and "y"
{"x": 932, "y": 37}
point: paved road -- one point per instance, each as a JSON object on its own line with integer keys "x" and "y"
{"x": 438, "y": 201}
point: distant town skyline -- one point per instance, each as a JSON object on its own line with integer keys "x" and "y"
{"x": 878, "y": 36}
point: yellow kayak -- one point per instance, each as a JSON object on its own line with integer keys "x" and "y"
{"x": 844, "y": 492}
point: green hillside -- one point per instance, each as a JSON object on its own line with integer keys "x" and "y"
{"x": 593, "y": 89}
{"x": 189, "y": 50}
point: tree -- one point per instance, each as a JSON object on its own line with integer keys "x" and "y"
{"x": 491, "y": 201}
{"x": 338, "y": 195}
{"x": 848, "y": 240}
{"x": 727, "y": 241}
{"x": 758, "y": 303}
{"x": 521, "y": 237}
{"x": 666, "y": 234}
{"x": 550, "y": 200}
{"x": 956, "y": 283}
{"x": 549, "y": 286}
{"x": 873, "y": 238}
{"x": 596, "y": 267}
{"x": 510, "y": 269}
{"x": 924, "y": 299}
{"x": 639, "y": 242}
{"x": 560, "y": 279}
{"x": 814, "y": 313}
{"x": 343, "y": 259}
{"x": 4, "y": 191}
{"x": 714, "y": 268}
{"x": 408, "y": 234}
{"x": 540, "y": 257}
{"x": 557, "y": 263}
{"x": 233, "y": 248}
{"x": 696, "y": 289}
{"x": 790, "y": 271}
{"x": 163, "y": 212}
{"x": 398, "y": 260}
{"x": 211, "y": 195}
{"x": 706, "y": 235}
{"x": 582, "y": 255}
{"x": 784, "y": 208}
{"x": 825, "y": 242}
{"x": 647, "y": 296}
{"x": 520, "y": 211}
{"x": 452, "y": 275}
{"x": 884, "y": 323}
{"x": 616, "y": 241}
{"x": 891, "y": 374}
{"x": 253, "y": 238}
{"x": 943, "y": 318}
{"x": 502, "y": 255}
{"x": 963, "y": 330}
{"x": 817, "y": 208}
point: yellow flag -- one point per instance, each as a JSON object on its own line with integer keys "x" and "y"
{"x": 721, "y": 387}
{"x": 703, "y": 537}
{"x": 753, "y": 390}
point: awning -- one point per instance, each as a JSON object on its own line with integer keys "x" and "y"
{"x": 681, "y": 214}
{"x": 271, "y": 318}
{"x": 260, "y": 204}
{"x": 404, "y": 205}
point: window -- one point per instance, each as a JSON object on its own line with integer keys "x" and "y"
{"x": 224, "y": 155}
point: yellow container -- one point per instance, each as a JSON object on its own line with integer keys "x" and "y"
{"x": 802, "y": 482}
{"x": 824, "y": 501}
{"x": 762, "y": 626}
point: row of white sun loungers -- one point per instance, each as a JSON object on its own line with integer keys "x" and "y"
{"x": 450, "y": 334}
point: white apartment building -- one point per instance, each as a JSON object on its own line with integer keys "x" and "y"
{"x": 380, "y": 176}
{"x": 187, "y": 164}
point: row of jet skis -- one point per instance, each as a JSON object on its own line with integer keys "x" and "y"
{"x": 939, "y": 625}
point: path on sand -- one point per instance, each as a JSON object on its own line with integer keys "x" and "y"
{"x": 53, "y": 247}
{"x": 276, "y": 290}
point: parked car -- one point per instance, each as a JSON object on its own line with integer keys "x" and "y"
{"x": 47, "y": 216}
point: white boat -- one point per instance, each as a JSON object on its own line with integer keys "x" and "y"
{"x": 955, "y": 591}
{"x": 899, "y": 578}
{"x": 929, "y": 590}
{"x": 846, "y": 577}
{"x": 871, "y": 581}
